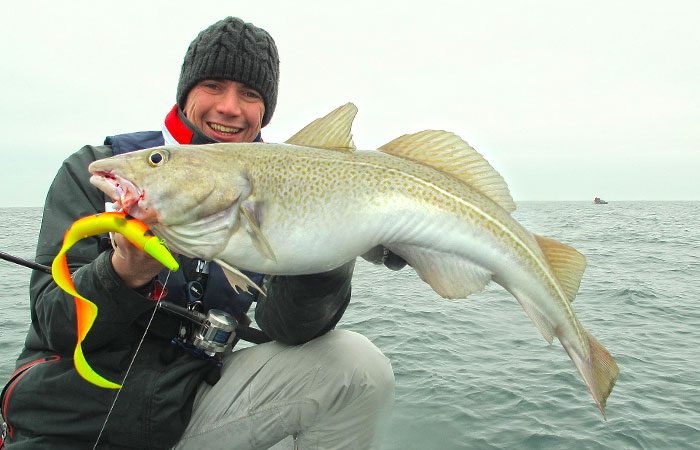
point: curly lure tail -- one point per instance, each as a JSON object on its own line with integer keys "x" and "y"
{"x": 138, "y": 234}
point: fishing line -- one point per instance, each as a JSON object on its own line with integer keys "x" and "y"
{"x": 143, "y": 337}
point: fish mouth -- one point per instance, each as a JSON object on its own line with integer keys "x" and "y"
{"x": 126, "y": 195}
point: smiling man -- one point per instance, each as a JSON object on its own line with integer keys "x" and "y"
{"x": 328, "y": 388}
{"x": 225, "y": 110}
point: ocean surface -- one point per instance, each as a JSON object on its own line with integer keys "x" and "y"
{"x": 476, "y": 373}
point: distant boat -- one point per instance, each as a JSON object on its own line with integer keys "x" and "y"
{"x": 599, "y": 201}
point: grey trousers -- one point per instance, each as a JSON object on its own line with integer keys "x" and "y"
{"x": 330, "y": 393}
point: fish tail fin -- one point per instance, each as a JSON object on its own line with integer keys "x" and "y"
{"x": 598, "y": 370}
{"x": 603, "y": 373}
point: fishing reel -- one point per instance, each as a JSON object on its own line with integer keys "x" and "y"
{"x": 214, "y": 333}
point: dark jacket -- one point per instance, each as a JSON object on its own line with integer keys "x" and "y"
{"x": 48, "y": 405}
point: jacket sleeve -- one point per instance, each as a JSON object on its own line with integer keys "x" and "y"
{"x": 71, "y": 197}
{"x": 299, "y": 308}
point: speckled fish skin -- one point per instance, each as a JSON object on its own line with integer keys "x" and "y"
{"x": 316, "y": 209}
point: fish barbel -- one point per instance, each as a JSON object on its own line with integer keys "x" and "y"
{"x": 313, "y": 203}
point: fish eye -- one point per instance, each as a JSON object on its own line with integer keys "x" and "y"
{"x": 156, "y": 158}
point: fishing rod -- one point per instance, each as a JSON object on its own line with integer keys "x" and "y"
{"x": 244, "y": 332}
{"x": 25, "y": 263}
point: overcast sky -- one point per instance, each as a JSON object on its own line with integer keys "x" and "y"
{"x": 568, "y": 100}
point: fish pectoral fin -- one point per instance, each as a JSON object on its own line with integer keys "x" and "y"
{"x": 330, "y": 132}
{"x": 450, "y": 275}
{"x": 566, "y": 262}
{"x": 448, "y": 153}
{"x": 237, "y": 278}
{"x": 248, "y": 210}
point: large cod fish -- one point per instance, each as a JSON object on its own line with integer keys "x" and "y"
{"x": 313, "y": 203}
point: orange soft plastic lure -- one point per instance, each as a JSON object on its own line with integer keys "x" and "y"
{"x": 138, "y": 234}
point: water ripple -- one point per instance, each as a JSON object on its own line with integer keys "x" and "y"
{"x": 477, "y": 374}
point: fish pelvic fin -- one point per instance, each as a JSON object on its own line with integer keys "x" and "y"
{"x": 238, "y": 279}
{"x": 566, "y": 263}
{"x": 331, "y": 131}
{"x": 448, "y": 153}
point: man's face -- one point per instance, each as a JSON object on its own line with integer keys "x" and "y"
{"x": 225, "y": 110}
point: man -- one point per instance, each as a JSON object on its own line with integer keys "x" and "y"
{"x": 327, "y": 388}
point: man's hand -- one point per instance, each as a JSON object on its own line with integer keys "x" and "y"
{"x": 382, "y": 255}
{"x": 135, "y": 267}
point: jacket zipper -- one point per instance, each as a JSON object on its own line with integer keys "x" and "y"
{"x": 17, "y": 375}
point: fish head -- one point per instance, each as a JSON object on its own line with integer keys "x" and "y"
{"x": 172, "y": 188}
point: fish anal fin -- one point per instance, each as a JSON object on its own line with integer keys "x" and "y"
{"x": 450, "y": 275}
{"x": 448, "y": 153}
{"x": 566, "y": 263}
{"x": 543, "y": 325}
{"x": 237, "y": 278}
{"x": 249, "y": 209}
{"x": 329, "y": 132}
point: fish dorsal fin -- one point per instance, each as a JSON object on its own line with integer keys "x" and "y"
{"x": 447, "y": 152}
{"x": 331, "y": 131}
{"x": 566, "y": 262}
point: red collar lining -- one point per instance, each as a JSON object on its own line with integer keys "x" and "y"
{"x": 177, "y": 129}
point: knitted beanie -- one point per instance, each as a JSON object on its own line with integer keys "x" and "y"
{"x": 233, "y": 50}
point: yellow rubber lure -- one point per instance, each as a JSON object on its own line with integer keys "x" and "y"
{"x": 138, "y": 234}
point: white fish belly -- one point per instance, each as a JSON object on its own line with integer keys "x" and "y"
{"x": 301, "y": 247}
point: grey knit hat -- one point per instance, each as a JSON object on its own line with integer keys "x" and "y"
{"x": 233, "y": 50}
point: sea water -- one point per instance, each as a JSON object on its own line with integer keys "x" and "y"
{"x": 476, "y": 373}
